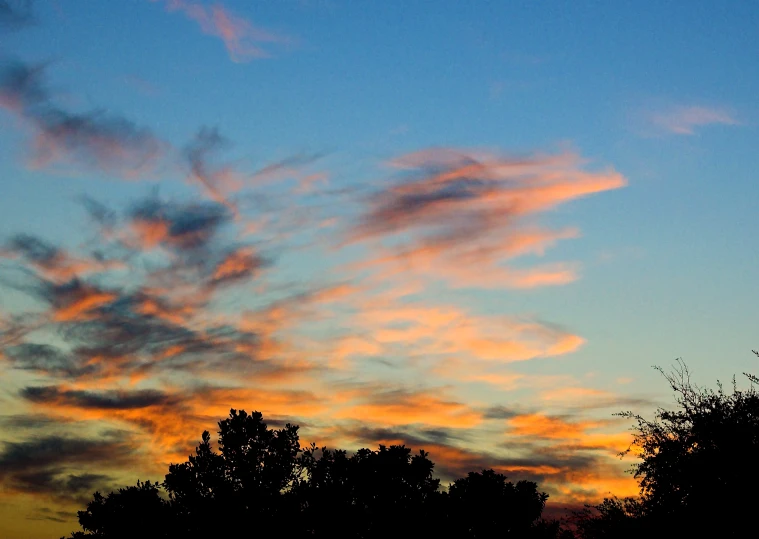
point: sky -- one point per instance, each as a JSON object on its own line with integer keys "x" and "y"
{"x": 469, "y": 227}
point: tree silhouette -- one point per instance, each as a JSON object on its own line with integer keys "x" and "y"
{"x": 620, "y": 518}
{"x": 260, "y": 479}
{"x": 486, "y": 505}
{"x": 696, "y": 472}
{"x": 248, "y": 479}
{"x": 369, "y": 494}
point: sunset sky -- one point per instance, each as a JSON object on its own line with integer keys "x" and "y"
{"x": 469, "y": 227}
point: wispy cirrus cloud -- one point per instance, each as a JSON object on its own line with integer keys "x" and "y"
{"x": 460, "y": 216}
{"x": 437, "y": 332}
{"x": 216, "y": 181}
{"x": 156, "y": 319}
{"x": 96, "y": 140}
{"x": 404, "y": 407}
{"x": 685, "y": 120}
{"x": 176, "y": 309}
{"x": 52, "y": 262}
{"x": 172, "y": 417}
{"x": 244, "y": 40}
{"x": 131, "y": 332}
{"x": 109, "y": 144}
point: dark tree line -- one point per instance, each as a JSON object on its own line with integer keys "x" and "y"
{"x": 695, "y": 470}
{"x": 260, "y": 479}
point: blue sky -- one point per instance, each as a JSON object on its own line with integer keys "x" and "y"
{"x": 651, "y": 105}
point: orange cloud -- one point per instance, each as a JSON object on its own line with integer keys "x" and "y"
{"x": 542, "y": 426}
{"x": 149, "y": 234}
{"x": 571, "y": 475}
{"x": 403, "y": 408}
{"x": 151, "y": 304}
{"x": 79, "y": 302}
{"x": 174, "y": 417}
{"x": 572, "y": 435}
{"x": 238, "y": 265}
{"x": 470, "y": 268}
{"x": 461, "y": 216}
{"x": 429, "y": 331}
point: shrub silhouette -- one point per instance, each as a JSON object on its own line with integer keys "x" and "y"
{"x": 125, "y": 514}
{"x": 696, "y": 471}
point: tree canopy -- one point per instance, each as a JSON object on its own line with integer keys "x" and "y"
{"x": 260, "y": 478}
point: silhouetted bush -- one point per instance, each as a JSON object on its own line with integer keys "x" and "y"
{"x": 696, "y": 471}
{"x": 130, "y": 512}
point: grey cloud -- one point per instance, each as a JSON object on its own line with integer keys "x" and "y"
{"x": 102, "y": 400}
{"x": 97, "y": 139}
{"x": 47, "y": 465}
{"x": 15, "y": 14}
{"x": 47, "y": 359}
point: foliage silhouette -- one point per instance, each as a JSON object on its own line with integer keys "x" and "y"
{"x": 261, "y": 479}
{"x": 620, "y": 518}
{"x": 486, "y": 505}
{"x": 251, "y": 476}
{"x": 354, "y": 496}
{"x": 124, "y": 514}
{"x": 696, "y": 472}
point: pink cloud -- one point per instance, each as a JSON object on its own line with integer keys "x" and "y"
{"x": 685, "y": 120}
{"x": 241, "y": 38}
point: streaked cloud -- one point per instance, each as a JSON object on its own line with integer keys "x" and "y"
{"x": 399, "y": 407}
{"x": 217, "y": 181}
{"x": 467, "y": 213}
{"x": 96, "y": 140}
{"x": 685, "y": 120}
{"x": 244, "y": 40}
{"x": 45, "y": 359}
{"x": 55, "y": 466}
{"x": 177, "y": 310}
{"x": 385, "y": 328}
{"x": 103, "y": 400}
{"x": 574, "y": 475}
{"x": 52, "y": 262}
